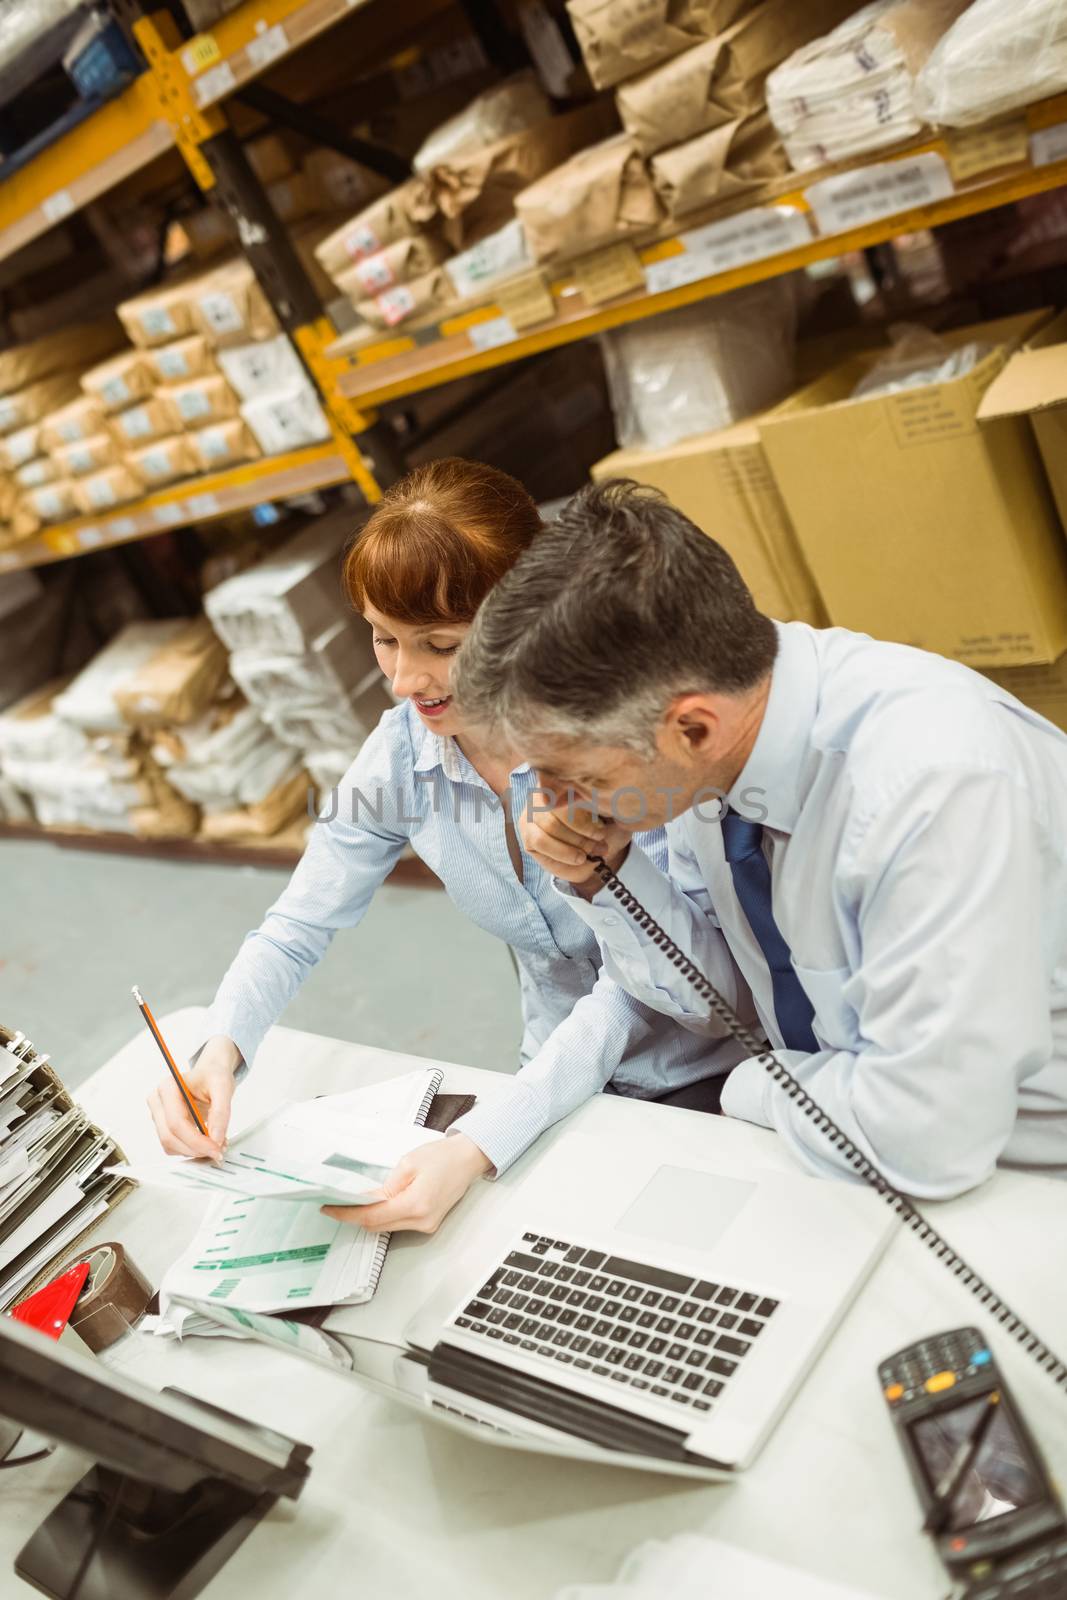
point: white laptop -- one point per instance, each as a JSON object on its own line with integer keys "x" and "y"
{"x": 645, "y": 1300}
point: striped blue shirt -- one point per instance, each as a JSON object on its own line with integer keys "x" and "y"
{"x": 580, "y": 1028}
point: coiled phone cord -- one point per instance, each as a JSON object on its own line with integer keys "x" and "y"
{"x": 905, "y": 1210}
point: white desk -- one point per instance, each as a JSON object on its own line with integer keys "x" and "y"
{"x": 398, "y": 1506}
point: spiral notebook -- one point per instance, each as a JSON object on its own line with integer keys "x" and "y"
{"x": 265, "y": 1254}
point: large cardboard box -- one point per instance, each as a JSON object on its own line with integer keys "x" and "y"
{"x": 920, "y": 523}
{"x": 1043, "y": 689}
{"x": 1034, "y": 385}
{"x": 722, "y": 482}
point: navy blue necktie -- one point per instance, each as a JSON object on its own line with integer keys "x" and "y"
{"x": 743, "y": 844}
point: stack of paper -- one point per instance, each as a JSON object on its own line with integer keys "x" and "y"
{"x": 260, "y": 1250}
{"x": 54, "y": 1181}
{"x": 688, "y": 1567}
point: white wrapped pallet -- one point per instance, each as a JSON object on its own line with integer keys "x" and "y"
{"x": 289, "y": 599}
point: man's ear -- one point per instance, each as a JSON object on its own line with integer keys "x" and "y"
{"x": 690, "y": 727}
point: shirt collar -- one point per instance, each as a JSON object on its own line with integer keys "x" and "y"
{"x": 772, "y": 777}
{"x": 433, "y": 750}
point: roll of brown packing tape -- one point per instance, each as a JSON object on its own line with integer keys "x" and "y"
{"x": 114, "y": 1297}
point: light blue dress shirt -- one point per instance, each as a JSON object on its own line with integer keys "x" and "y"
{"x": 915, "y": 821}
{"x": 581, "y": 1030}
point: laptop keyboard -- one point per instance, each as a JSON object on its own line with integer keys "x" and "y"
{"x": 664, "y": 1333}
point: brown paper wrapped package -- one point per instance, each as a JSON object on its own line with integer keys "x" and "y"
{"x": 178, "y": 683}
{"x": 25, "y": 444}
{"x": 718, "y": 165}
{"x": 599, "y": 196}
{"x": 397, "y": 215}
{"x": 87, "y": 455}
{"x": 52, "y": 503}
{"x": 428, "y": 293}
{"x": 158, "y": 315}
{"x": 476, "y": 193}
{"x": 722, "y": 79}
{"x": 185, "y": 358}
{"x": 199, "y": 401}
{"x": 117, "y": 383}
{"x": 35, "y": 474}
{"x": 81, "y": 419}
{"x": 222, "y": 444}
{"x": 152, "y": 419}
{"x": 36, "y": 401}
{"x": 102, "y": 490}
{"x": 283, "y": 805}
{"x": 342, "y": 184}
{"x": 163, "y": 460}
{"x": 619, "y": 38}
{"x": 397, "y": 263}
{"x": 68, "y": 349}
{"x": 228, "y": 306}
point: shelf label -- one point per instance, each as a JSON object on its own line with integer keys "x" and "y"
{"x": 122, "y": 528}
{"x": 58, "y": 205}
{"x": 972, "y": 151}
{"x": 732, "y": 242}
{"x": 203, "y": 505}
{"x": 8, "y": 560}
{"x": 267, "y": 45}
{"x": 850, "y": 199}
{"x": 214, "y": 84}
{"x": 526, "y": 301}
{"x": 199, "y": 53}
{"x": 1048, "y": 145}
{"x": 89, "y": 538}
{"x": 169, "y": 514}
{"x": 606, "y": 274}
{"x": 487, "y": 335}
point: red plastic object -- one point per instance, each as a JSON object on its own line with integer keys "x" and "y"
{"x": 50, "y": 1308}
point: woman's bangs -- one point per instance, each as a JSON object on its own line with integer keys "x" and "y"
{"x": 414, "y": 574}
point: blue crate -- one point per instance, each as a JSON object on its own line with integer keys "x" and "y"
{"x": 104, "y": 64}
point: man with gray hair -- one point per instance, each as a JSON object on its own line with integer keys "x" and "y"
{"x": 877, "y": 836}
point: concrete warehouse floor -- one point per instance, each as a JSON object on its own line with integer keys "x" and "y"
{"x": 78, "y": 929}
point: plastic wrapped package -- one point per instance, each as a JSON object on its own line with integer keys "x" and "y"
{"x": 260, "y": 367}
{"x": 994, "y": 57}
{"x": 500, "y": 111}
{"x": 703, "y": 367}
{"x": 289, "y": 599}
{"x": 917, "y": 358}
{"x": 89, "y": 700}
{"x": 500, "y": 255}
{"x": 337, "y": 722}
{"x": 286, "y": 418}
{"x": 854, "y": 90}
{"x": 334, "y": 666}
{"x": 31, "y": 732}
{"x": 229, "y": 761}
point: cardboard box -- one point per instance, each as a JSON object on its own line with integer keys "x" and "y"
{"x": 1034, "y": 385}
{"x": 87, "y": 455}
{"x": 185, "y": 358}
{"x": 117, "y": 383}
{"x": 723, "y": 483}
{"x": 1043, "y": 689}
{"x": 919, "y": 523}
{"x": 163, "y": 460}
{"x": 199, "y": 401}
{"x": 222, "y": 444}
{"x": 178, "y": 683}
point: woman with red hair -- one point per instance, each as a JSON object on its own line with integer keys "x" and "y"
{"x": 427, "y": 557}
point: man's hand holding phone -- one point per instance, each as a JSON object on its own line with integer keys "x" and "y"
{"x": 561, "y": 834}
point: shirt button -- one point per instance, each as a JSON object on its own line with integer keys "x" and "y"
{"x": 610, "y": 921}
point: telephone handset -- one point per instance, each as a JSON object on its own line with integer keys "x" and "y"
{"x": 861, "y": 1165}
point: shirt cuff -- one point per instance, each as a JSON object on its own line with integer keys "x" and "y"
{"x": 644, "y": 881}
{"x": 504, "y": 1127}
{"x": 746, "y": 1094}
{"x": 236, "y": 1023}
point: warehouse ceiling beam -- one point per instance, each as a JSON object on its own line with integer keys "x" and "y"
{"x": 300, "y": 119}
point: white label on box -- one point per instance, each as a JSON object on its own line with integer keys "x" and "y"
{"x": 101, "y": 492}
{"x": 172, "y": 364}
{"x": 70, "y": 432}
{"x": 157, "y": 462}
{"x": 1048, "y": 145}
{"x": 375, "y": 274}
{"x": 212, "y": 442}
{"x": 850, "y": 199}
{"x": 36, "y": 473}
{"x": 203, "y": 505}
{"x": 122, "y": 528}
{"x": 136, "y": 424}
{"x": 116, "y": 392}
{"x": 268, "y": 46}
{"x": 194, "y": 403}
{"x": 487, "y": 335}
{"x": 734, "y": 242}
{"x": 50, "y": 503}
{"x": 214, "y": 84}
{"x": 361, "y": 241}
{"x": 221, "y": 312}
{"x": 58, "y": 205}
{"x": 169, "y": 514}
{"x": 81, "y": 461}
{"x": 396, "y": 304}
{"x": 9, "y": 414}
{"x": 158, "y": 322}
{"x": 88, "y": 538}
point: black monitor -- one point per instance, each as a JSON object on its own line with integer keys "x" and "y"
{"x": 178, "y": 1483}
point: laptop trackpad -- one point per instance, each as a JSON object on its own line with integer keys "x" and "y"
{"x": 683, "y": 1206}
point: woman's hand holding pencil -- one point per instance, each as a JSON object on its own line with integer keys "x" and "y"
{"x": 210, "y": 1085}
